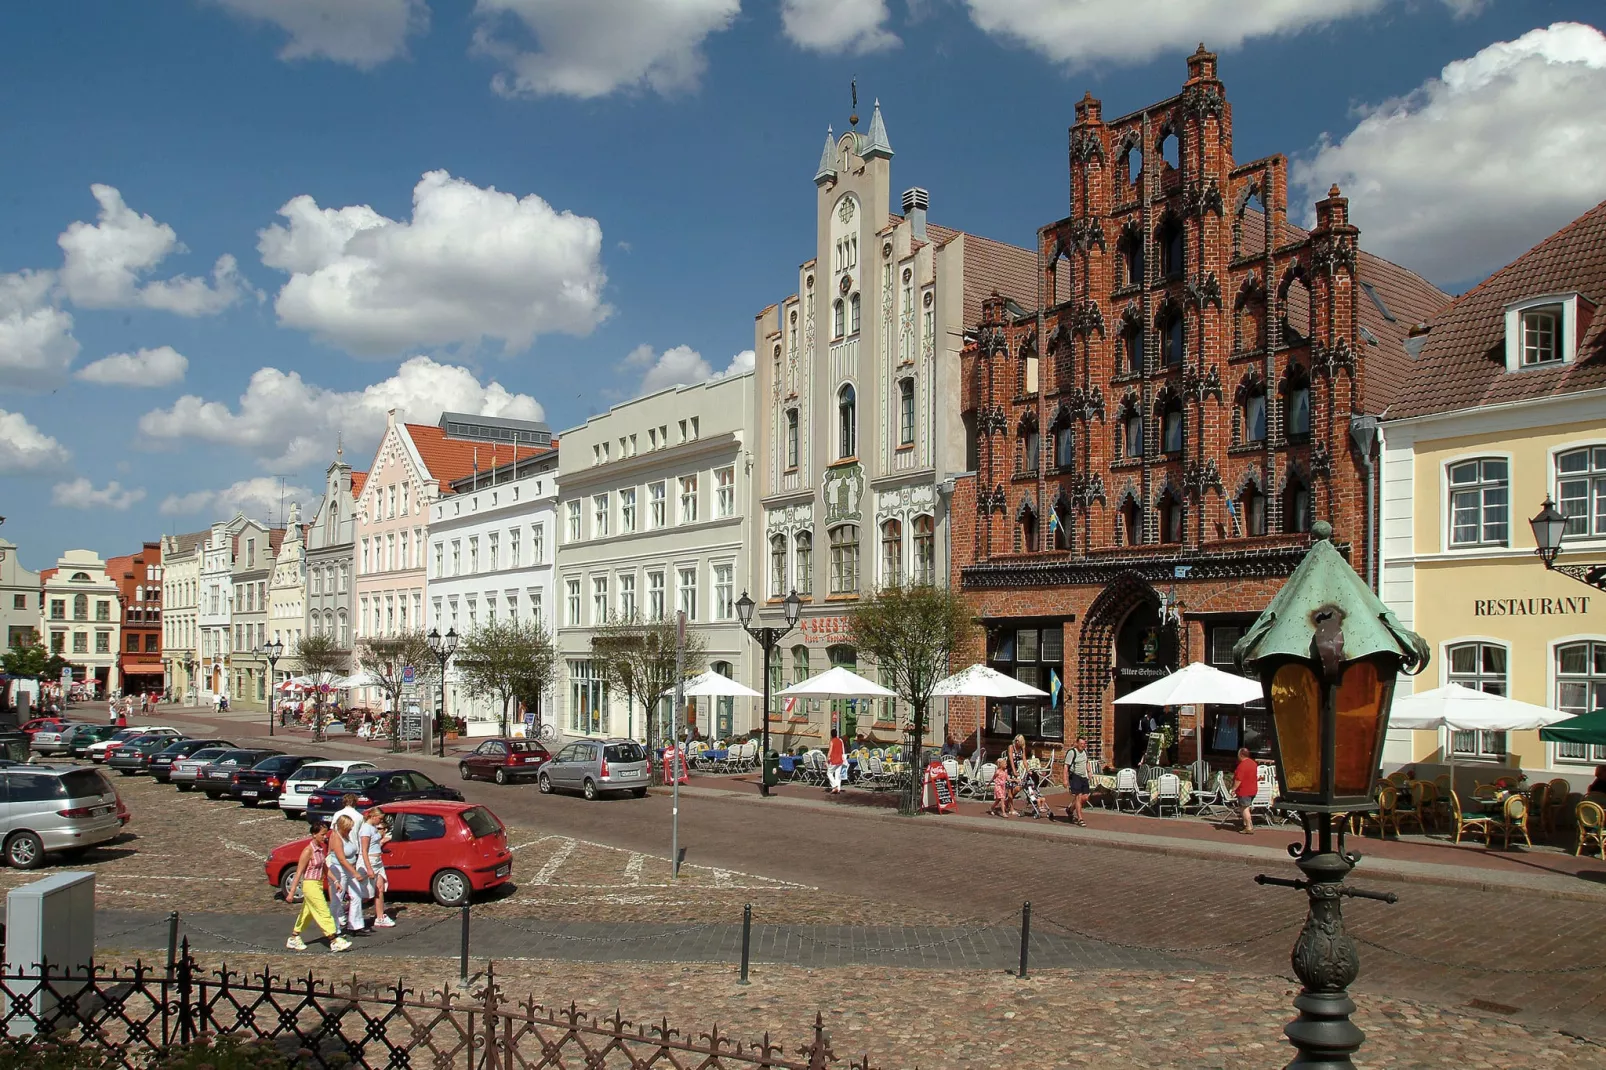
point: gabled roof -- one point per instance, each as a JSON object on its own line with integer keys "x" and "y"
{"x": 447, "y": 459}
{"x": 991, "y": 265}
{"x": 357, "y": 481}
{"x": 1462, "y": 365}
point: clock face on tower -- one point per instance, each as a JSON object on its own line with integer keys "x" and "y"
{"x": 846, "y": 283}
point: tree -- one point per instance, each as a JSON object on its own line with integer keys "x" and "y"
{"x": 33, "y": 661}
{"x": 322, "y": 659}
{"x": 506, "y": 660}
{"x": 386, "y": 658}
{"x": 637, "y": 658}
{"x": 910, "y": 633}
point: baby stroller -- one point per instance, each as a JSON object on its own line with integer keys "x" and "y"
{"x": 1029, "y": 787}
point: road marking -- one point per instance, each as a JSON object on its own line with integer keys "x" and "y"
{"x": 242, "y": 848}
{"x": 555, "y": 863}
{"x": 142, "y": 895}
{"x": 722, "y": 878}
{"x": 260, "y": 820}
{"x": 633, "y": 868}
{"x": 153, "y": 877}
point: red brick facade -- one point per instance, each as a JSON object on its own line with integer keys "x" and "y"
{"x": 1130, "y": 491}
{"x": 139, "y": 587}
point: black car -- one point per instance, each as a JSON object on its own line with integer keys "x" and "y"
{"x": 135, "y": 756}
{"x": 87, "y": 735}
{"x": 265, "y": 780}
{"x": 375, "y": 787}
{"x": 161, "y": 763}
{"x": 214, "y": 779}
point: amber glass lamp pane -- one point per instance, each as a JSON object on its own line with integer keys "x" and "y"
{"x": 1296, "y": 706}
{"x": 1360, "y": 702}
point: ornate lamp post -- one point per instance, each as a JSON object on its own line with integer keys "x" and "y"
{"x": 767, "y": 638}
{"x": 442, "y": 646}
{"x": 1327, "y": 652}
{"x": 273, "y": 651}
{"x": 1549, "y": 528}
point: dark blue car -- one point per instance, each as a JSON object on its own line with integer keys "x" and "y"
{"x": 375, "y": 787}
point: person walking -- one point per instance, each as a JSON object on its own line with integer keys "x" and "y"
{"x": 836, "y": 764}
{"x": 1015, "y": 760}
{"x": 373, "y": 838}
{"x": 1077, "y": 781}
{"x": 1246, "y": 785}
{"x": 314, "y": 907}
{"x": 345, "y": 881}
{"x": 1001, "y": 807}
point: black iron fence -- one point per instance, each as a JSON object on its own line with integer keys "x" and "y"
{"x": 131, "y": 1013}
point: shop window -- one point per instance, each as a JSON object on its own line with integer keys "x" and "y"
{"x": 1581, "y": 490}
{"x": 1482, "y": 667}
{"x": 1479, "y": 495}
{"x": 1580, "y": 688}
{"x": 1035, "y": 656}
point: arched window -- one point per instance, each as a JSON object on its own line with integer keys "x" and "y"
{"x": 1060, "y": 525}
{"x": 1130, "y": 521}
{"x": 1171, "y": 339}
{"x": 845, "y": 559}
{"x": 925, "y": 550}
{"x": 800, "y": 663}
{"x": 892, "y": 552}
{"x": 1129, "y": 360}
{"x": 1028, "y": 528}
{"x": 1296, "y": 406}
{"x": 1171, "y": 429}
{"x": 345, "y": 632}
{"x": 1296, "y": 505}
{"x": 80, "y": 607}
{"x": 1296, "y": 311}
{"x": 1252, "y": 510}
{"x": 853, "y": 314}
{"x": 1170, "y": 517}
{"x": 1130, "y": 257}
{"x": 1131, "y": 434}
{"x": 839, "y": 318}
{"x": 1065, "y": 446}
{"x": 329, "y": 622}
{"x": 803, "y": 562}
{"x": 1131, "y": 164}
{"x": 1169, "y": 239}
{"x": 847, "y": 416}
{"x": 906, "y": 412}
{"x": 1030, "y": 447}
{"x": 777, "y": 566}
{"x": 1252, "y": 413}
{"x": 1170, "y": 149}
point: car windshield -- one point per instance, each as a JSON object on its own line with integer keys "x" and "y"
{"x": 524, "y": 746}
{"x": 481, "y": 822}
{"x": 128, "y": 733}
{"x": 207, "y": 753}
{"x": 624, "y": 752}
{"x": 352, "y": 782}
{"x": 84, "y": 784}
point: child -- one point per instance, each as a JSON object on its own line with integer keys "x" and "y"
{"x": 373, "y": 838}
{"x": 1001, "y": 800}
{"x": 314, "y": 907}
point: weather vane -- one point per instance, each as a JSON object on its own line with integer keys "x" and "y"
{"x": 853, "y": 118}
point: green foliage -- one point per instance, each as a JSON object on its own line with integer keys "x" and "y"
{"x": 223, "y": 1053}
{"x": 33, "y": 660}
{"x": 49, "y": 1052}
{"x": 387, "y": 657}
{"x": 637, "y": 659}
{"x": 506, "y": 660}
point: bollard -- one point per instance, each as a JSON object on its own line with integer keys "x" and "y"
{"x": 172, "y": 943}
{"x": 747, "y": 939}
{"x": 1025, "y": 934}
{"x": 462, "y": 962}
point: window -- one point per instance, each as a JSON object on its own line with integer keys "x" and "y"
{"x": 925, "y": 551}
{"x": 892, "y": 552}
{"x": 1059, "y": 525}
{"x": 656, "y": 493}
{"x": 1131, "y": 253}
{"x": 152, "y": 644}
{"x": 627, "y": 596}
{"x": 1581, "y": 490}
{"x": 853, "y": 314}
{"x": 1033, "y": 656}
{"x": 627, "y": 510}
{"x": 906, "y": 412}
{"x": 1170, "y": 518}
{"x": 599, "y": 515}
{"x": 1580, "y": 688}
{"x": 791, "y": 439}
{"x": 1171, "y": 249}
{"x": 599, "y": 599}
{"x": 1252, "y": 506}
{"x": 1030, "y": 448}
{"x": 655, "y": 595}
{"x": 1065, "y": 447}
{"x": 847, "y": 419}
{"x": 800, "y": 664}
{"x": 1296, "y": 413}
{"x": 839, "y": 319}
{"x": 514, "y": 558}
{"x": 1132, "y": 435}
{"x": 103, "y": 642}
{"x": 688, "y": 499}
{"x": 724, "y": 592}
{"x": 725, "y": 491}
{"x": 572, "y": 591}
{"x": 1130, "y": 358}
{"x": 473, "y": 555}
{"x": 537, "y": 544}
{"x": 133, "y": 643}
{"x": 803, "y": 565}
{"x": 777, "y": 566}
{"x": 845, "y": 559}
{"x": 588, "y": 700}
{"x": 80, "y": 607}
{"x": 574, "y": 521}
{"x": 58, "y": 642}
{"x": 80, "y": 642}
{"x": 1541, "y": 336}
{"x": 1130, "y": 519}
{"x": 686, "y": 592}
{"x": 1482, "y": 667}
{"x": 1254, "y": 415}
{"x": 1478, "y": 502}
{"x": 1171, "y": 437}
{"x": 1171, "y": 341}
{"x": 491, "y": 550}
{"x": 58, "y": 608}
{"x": 1296, "y": 506}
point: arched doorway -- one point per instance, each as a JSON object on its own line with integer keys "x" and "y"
{"x": 1145, "y": 651}
{"x": 1122, "y": 631}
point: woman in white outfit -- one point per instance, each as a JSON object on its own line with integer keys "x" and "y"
{"x": 373, "y": 838}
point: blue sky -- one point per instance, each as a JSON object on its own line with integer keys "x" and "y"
{"x": 607, "y": 191}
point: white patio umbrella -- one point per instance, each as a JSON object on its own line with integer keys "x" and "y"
{"x": 357, "y": 679}
{"x": 1466, "y": 709}
{"x": 711, "y": 684}
{"x": 1194, "y": 685}
{"x": 836, "y": 682}
{"x": 978, "y": 681}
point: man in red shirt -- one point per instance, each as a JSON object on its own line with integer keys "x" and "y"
{"x": 1245, "y": 785}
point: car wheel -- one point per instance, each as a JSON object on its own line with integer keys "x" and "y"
{"x": 590, "y": 788}
{"x": 450, "y": 888}
{"x": 287, "y": 888}
{"x": 543, "y": 784}
{"x": 500, "y": 776}
{"x": 292, "y": 815}
{"x": 462, "y": 771}
{"x": 640, "y": 793}
{"x": 125, "y": 772}
{"x": 252, "y": 803}
{"x": 185, "y": 787}
{"x": 24, "y": 850}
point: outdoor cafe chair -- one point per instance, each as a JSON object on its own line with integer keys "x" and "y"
{"x": 1387, "y": 813}
{"x": 1265, "y": 795}
{"x": 1214, "y": 801}
{"x": 1465, "y": 825}
{"x": 1591, "y": 820}
{"x": 1167, "y": 789}
{"x": 1406, "y": 811}
{"x": 982, "y": 786}
{"x": 1556, "y": 793}
{"x": 1425, "y": 798}
{"x": 1126, "y": 787}
{"x": 1538, "y": 797}
{"x": 1514, "y": 814}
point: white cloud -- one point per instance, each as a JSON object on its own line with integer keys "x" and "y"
{"x": 1081, "y": 32}
{"x": 25, "y": 448}
{"x": 363, "y": 33}
{"x": 471, "y": 263}
{"x": 106, "y": 259}
{"x": 837, "y": 25}
{"x": 82, "y": 494}
{"x": 287, "y": 422}
{"x": 36, "y": 341}
{"x": 258, "y": 496}
{"x": 680, "y": 366}
{"x": 147, "y": 367}
{"x": 1477, "y": 165}
{"x": 590, "y": 48}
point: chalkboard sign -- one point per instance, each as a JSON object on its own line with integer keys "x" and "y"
{"x": 412, "y": 724}
{"x": 938, "y": 785}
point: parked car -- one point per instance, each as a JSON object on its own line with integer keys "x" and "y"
{"x": 135, "y": 755}
{"x": 58, "y": 740}
{"x": 182, "y": 773}
{"x": 161, "y": 764}
{"x": 595, "y": 767}
{"x": 299, "y": 786}
{"x": 51, "y": 809}
{"x": 265, "y": 780}
{"x": 42, "y": 724}
{"x": 448, "y": 850}
{"x": 216, "y": 777}
{"x": 100, "y": 752}
{"x": 503, "y": 759}
{"x": 376, "y": 787}
{"x": 84, "y": 736}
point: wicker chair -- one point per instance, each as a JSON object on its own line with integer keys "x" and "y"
{"x": 1465, "y": 824}
{"x": 1514, "y": 814}
{"x": 1556, "y": 793}
{"x": 1408, "y": 812}
{"x": 1387, "y": 814}
{"x": 1591, "y": 820}
{"x": 1538, "y": 797}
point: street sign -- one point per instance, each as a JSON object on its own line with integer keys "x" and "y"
{"x": 529, "y": 718}
{"x": 408, "y": 679}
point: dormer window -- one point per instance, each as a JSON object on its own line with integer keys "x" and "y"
{"x": 1541, "y": 335}
{"x": 1542, "y": 332}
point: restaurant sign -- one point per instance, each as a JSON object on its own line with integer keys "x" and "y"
{"x": 825, "y": 629}
{"x": 1530, "y": 607}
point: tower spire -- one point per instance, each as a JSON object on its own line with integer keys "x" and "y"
{"x": 875, "y": 142}
{"x": 827, "y": 169}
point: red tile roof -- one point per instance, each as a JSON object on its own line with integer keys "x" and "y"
{"x": 451, "y": 458}
{"x": 991, "y": 265}
{"x": 1462, "y": 364}
{"x": 357, "y": 480}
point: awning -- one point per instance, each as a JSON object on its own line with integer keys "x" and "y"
{"x": 142, "y": 668}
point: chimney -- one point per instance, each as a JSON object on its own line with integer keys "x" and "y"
{"x": 915, "y": 203}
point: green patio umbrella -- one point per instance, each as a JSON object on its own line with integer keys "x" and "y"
{"x": 1585, "y": 728}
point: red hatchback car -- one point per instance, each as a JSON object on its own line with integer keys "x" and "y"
{"x": 446, "y": 850}
{"x": 502, "y": 759}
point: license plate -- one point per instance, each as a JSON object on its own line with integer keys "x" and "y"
{"x": 248, "y": 794}
{"x": 504, "y": 870}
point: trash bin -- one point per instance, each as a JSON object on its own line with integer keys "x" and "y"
{"x": 772, "y": 769}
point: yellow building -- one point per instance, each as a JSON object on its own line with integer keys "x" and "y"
{"x": 1507, "y": 407}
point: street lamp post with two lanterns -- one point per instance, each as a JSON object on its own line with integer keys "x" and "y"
{"x": 273, "y": 651}
{"x": 767, "y": 638}
{"x": 443, "y": 647}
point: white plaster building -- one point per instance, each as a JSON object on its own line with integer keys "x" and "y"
{"x": 491, "y": 556}
{"x": 82, "y": 618}
{"x": 20, "y": 609}
{"x": 287, "y": 597}
{"x": 181, "y": 595}
{"x": 654, "y": 515}
{"x": 329, "y": 554}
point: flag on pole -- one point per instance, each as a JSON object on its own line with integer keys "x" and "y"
{"x": 791, "y": 705}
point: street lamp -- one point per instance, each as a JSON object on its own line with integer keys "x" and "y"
{"x": 189, "y": 678}
{"x": 1549, "y": 528}
{"x": 767, "y": 638}
{"x": 442, "y": 646}
{"x": 274, "y": 650}
{"x": 1327, "y": 652}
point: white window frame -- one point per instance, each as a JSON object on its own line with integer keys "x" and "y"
{"x": 656, "y": 594}
{"x": 571, "y": 591}
{"x": 686, "y": 590}
{"x": 1568, "y": 323}
{"x": 627, "y": 510}
{"x": 599, "y": 599}
{"x": 599, "y": 516}
{"x": 575, "y": 521}
{"x": 688, "y": 498}
{"x": 627, "y": 596}
{"x": 1595, "y": 755}
{"x": 1447, "y": 496}
{"x": 1595, "y": 496}
{"x": 724, "y": 577}
{"x": 1486, "y": 746}
{"x": 657, "y": 496}
{"x": 725, "y": 491}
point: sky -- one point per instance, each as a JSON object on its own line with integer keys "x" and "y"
{"x": 233, "y": 232}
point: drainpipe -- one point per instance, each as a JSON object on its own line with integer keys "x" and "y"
{"x": 1363, "y": 431}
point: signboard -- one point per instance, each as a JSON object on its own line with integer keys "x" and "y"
{"x": 412, "y": 723}
{"x": 408, "y": 679}
{"x": 529, "y": 718}
{"x": 824, "y": 629}
{"x": 66, "y": 677}
{"x": 939, "y": 790}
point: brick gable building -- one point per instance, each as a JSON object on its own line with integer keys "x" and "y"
{"x": 1155, "y": 429}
